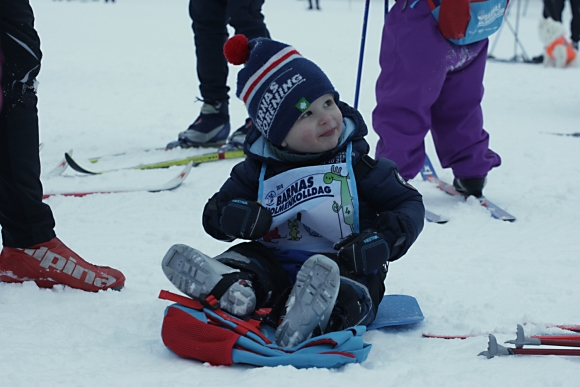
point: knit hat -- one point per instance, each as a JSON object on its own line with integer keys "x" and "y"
{"x": 277, "y": 84}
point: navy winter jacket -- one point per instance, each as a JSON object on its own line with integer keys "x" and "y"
{"x": 386, "y": 202}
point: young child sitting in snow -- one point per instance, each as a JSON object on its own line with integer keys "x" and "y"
{"x": 323, "y": 218}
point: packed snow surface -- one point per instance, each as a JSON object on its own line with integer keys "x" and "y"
{"x": 121, "y": 76}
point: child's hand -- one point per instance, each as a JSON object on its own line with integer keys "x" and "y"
{"x": 245, "y": 219}
{"x": 363, "y": 253}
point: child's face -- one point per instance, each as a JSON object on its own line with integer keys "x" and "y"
{"x": 318, "y": 128}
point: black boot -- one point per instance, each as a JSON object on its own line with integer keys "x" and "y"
{"x": 470, "y": 187}
{"x": 210, "y": 128}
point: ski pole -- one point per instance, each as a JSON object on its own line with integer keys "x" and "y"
{"x": 522, "y": 340}
{"x": 494, "y": 349}
{"x": 524, "y": 56}
{"x": 546, "y": 352}
{"x": 544, "y": 341}
{"x": 575, "y": 134}
{"x": 545, "y": 337}
{"x": 559, "y": 338}
{"x": 361, "y": 54}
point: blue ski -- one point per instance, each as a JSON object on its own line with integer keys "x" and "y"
{"x": 428, "y": 174}
{"x": 434, "y": 218}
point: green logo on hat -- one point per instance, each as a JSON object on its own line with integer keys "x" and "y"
{"x": 303, "y": 104}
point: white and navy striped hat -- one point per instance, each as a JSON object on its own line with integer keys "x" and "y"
{"x": 277, "y": 84}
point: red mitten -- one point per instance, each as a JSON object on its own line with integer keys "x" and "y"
{"x": 454, "y": 16}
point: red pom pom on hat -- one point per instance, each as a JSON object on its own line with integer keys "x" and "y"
{"x": 237, "y": 50}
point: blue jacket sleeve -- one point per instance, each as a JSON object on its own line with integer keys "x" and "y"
{"x": 397, "y": 206}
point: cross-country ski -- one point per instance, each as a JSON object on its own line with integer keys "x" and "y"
{"x": 151, "y": 187}
{"x": 197, "y": 159}
{"x": 428, "y": 174}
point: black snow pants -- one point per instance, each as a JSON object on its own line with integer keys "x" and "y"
{"x": 25, "y": 219}
{"x": 210, "y": 19}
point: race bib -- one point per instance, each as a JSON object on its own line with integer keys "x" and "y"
{"x": 312, "y": 207}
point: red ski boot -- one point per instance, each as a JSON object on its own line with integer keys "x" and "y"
{"x": 53, "y": 263}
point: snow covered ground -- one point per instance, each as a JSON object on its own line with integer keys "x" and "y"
{"x": 122, "y": 76}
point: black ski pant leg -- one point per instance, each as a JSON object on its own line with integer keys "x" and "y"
{"x": 246, "y": 17}
{"x": 553, "y": 9}
{"x": 358, "y": 300}
{"x": 25, "y": 219}
{"x": 575, "y": 24}
{"x": 310, "y": 4}
{"x": 209, "y": 23}
{"x": 270, "y": 280}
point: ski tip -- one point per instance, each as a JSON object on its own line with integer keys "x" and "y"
{"x": 74, "y": 165}
{"x": 59, "y": 169}
{"x": 177, "y": 180}
{"x": 435, "y": 218}
{"x": 496, "y": 211}
{"x": 185, "y": 171}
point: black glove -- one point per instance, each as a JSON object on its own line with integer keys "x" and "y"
{"x": 245, "y": 219}
{"x": 363, "y": 253}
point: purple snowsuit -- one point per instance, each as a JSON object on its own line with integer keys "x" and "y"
{"x": 428, "y": 83}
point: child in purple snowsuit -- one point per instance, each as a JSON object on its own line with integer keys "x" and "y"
{"x": 429, "y": 83}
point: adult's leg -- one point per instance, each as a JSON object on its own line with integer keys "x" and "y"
{"x": 412, "y": 60}
{"x": 553, "y": 9}
{"x": 575, "y": 23}
{"x": 25, "y": 219}
{"x": 246, "y": 17}
{"x": 209, "y": 22}
{"x": 31, "y": 250}
{"x": 457, "y": 125}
